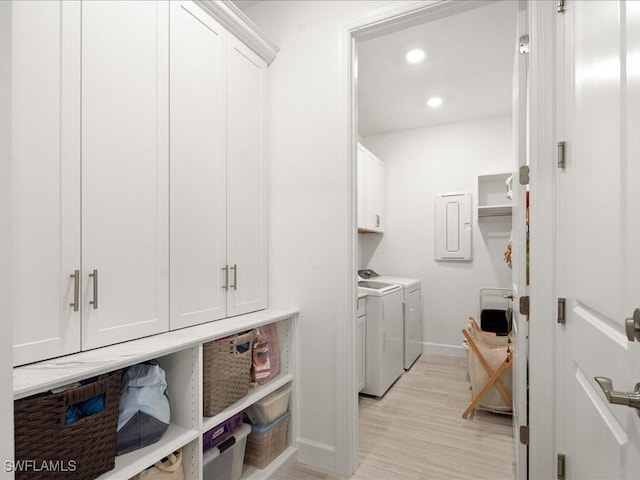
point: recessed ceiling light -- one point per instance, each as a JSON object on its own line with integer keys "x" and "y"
{"x": 415, "y": 56}
{"x": 434, "y": 102}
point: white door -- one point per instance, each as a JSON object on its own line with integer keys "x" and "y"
{"x": 246, "y": 186}
{"x": 598, "y": 218}
{"x": 198, "y": 166}
{"x": 125, "y": 170}
{"x": 519, "y": 248}
{"x": 45, "y": 179}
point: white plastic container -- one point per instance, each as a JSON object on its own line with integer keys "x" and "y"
{"x": 271, "y": 407}
{"x": 225, "y": 462}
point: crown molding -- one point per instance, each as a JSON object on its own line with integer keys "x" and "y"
{"x": 236, "y": 22}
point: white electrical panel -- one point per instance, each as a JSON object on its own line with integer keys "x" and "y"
{"x": 453, "y": 227}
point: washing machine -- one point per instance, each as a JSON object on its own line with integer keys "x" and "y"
{"x": 412, "y": 312}
{"x": 384, "y": 336}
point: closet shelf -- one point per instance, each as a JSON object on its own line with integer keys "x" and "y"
{"x": 253, "y": 396}
{"x": 494, "y": 210}
{"x": 42, "y": 376}
{"x": 275, "y": 469}
{"x": 131, "y": 463}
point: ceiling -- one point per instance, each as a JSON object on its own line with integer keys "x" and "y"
{"x": 469, "y": 64}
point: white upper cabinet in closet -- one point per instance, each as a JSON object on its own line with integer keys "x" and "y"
{"x": 45, "y": 196}
{"x": 246, "y": 190}
{"x": 198, "y": 166}
{"x": 218, "y": 196}
{"x": 371, "y": 192}
{"x": 125, "y": 170}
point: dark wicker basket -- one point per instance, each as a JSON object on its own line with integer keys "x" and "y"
{"x": 49, "y": 449}
{"x": 227, "y": 372}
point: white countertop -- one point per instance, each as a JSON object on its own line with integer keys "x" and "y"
{"x": 42, "y": 376}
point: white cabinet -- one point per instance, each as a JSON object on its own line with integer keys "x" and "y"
{"x": 95, "y": 159}
{"x": 361, "y": 339}
{"x": 45, "y": 196}
{"x": 125, "y": 170}
{"x": 371, "y": 192}
{"x": 218, "y": 193}
{"x": 198, "y": 166}
{"x": 246, "y": 187}
{"x": 90, "y": 171}
{"x": 494, "y": 195}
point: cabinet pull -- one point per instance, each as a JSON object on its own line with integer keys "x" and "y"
{"x": 235, "y": 277}
{"x": 377, "y": 220}
{"x": 225, "y": 269}
{"x": 94, "y": 302}
{"x": 76, "y": 290}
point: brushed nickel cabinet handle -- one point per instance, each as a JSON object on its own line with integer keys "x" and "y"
{"x": 235, "y": 277}
{"x": 76, "y": 290}
{"x": 94, "y": 302}
{"x": 225, "y": 269}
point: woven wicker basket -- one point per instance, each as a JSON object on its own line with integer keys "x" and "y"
{"x": 50, "y": 449}
{"x": 226, "y": 372}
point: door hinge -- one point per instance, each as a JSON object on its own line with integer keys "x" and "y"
{"x": 561, "y": 466}
{"x": 562, "y": 312}
{"x": 524, "y": 434}
{"x": 562, "y": 146}
{"x": 560, "y": 5}
{"x": 524, "y": 175}
{"x": 523, "y": 44}
{"x": 524, "y": 305}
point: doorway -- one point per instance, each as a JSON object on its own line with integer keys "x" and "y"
{"x": 450, "y": 147}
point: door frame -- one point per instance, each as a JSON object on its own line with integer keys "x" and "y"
{"x": 6, "y": 336}
{"x": 541, "y": 153}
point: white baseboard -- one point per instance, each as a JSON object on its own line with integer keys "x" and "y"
{"x": 441, "y": 349}
{"x": 316, "y": 454}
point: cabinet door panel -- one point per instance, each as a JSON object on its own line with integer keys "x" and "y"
{"x": 246, "y": 195}
{"x": 45, "y": 178}
{"x": 362, "y": 187}
{"x": 376, "y": 194}
{"x": 198, "y": 172}
{"x": 125, "y": 169}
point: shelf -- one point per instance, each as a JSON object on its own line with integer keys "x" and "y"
{"x": 131, "y": 463}
{"x": 495, "y": 211}
{"x": 42, "y": 376}
{"x": 252, "y": 397}
{"x": 275, "y": 469}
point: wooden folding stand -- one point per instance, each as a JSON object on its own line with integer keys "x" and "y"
{"x": 494, "y": 375}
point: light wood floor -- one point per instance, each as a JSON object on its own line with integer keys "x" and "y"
{"x": 416, "y": 431}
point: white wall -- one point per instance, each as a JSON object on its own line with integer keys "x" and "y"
{"x": 6, "y": 373}
{"x": 421, "y": 163}
{"x": 309, "y": 202}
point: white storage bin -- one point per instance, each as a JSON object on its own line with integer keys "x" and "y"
{"x": 225, "y": 461}
{"x": 271, "y": 407}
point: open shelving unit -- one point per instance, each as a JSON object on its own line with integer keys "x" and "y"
{"x": 180, "y": 355}
{"x": 492, "y": 195}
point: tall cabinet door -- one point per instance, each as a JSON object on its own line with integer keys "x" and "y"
{"x": 198, "y": 167}
{"x": 362, "y": 187}
{"x": 125, "y": 170}
{"x": 45, "y": 179}
{"x": 246, "y": 194}
{"x": 376, "y": 193}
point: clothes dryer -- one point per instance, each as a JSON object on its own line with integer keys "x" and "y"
{"x": 384, "y": 336}
{"x": 412, "y": 312}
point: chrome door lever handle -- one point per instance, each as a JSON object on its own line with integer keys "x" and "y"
{"x": 632, "y": 326}
{"x": 629, "y": 399}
